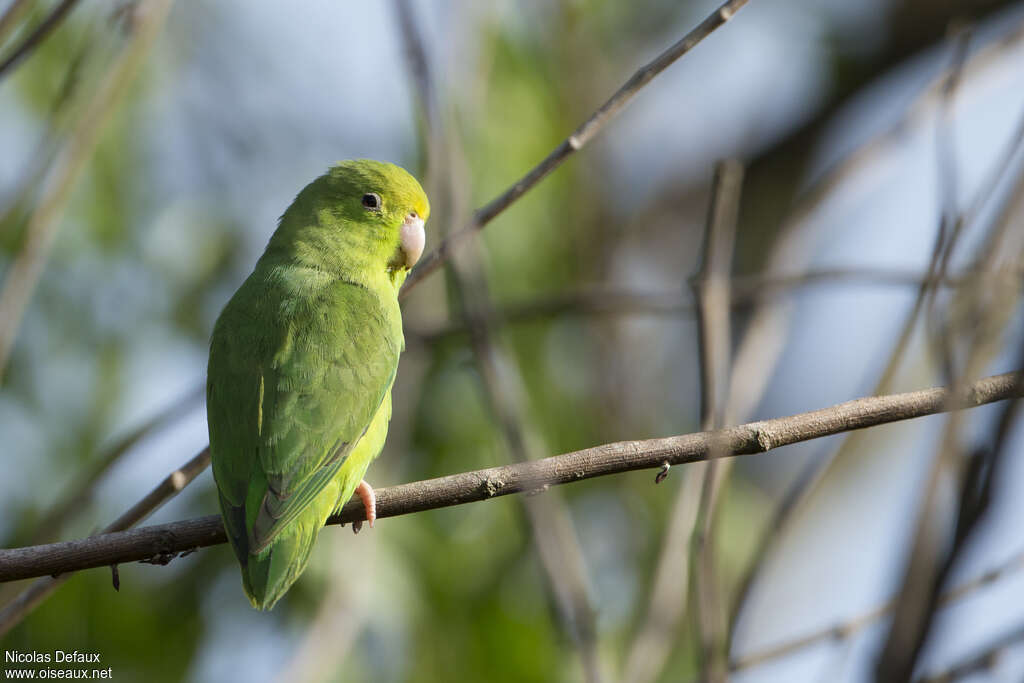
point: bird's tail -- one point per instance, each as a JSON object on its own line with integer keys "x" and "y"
{"x": 267, "y": 575}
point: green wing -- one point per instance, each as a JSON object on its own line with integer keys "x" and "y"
{"x": 297, "y": 370}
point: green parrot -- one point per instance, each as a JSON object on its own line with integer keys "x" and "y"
{"x": 302, "y": 360}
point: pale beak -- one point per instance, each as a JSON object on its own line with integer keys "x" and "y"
{"x": 412, "y": 238}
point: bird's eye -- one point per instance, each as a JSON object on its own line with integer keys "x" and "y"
{"x": 371, "y": 200}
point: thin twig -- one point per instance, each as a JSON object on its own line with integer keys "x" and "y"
{"x": 986, "y": 312}
{"x": 850, "y": 627}
{"x": 575, "y": 142}
{"x": 715, "y": 344}
{"x": 658, "y": 632}
{"x": 22, "y": 196}
{"x": 16, "y": 610}
{"x": 554, "y": 536}
{"x": 926, "y": 561}
{"x": 744, "y": 290}
{"x": 951, "y": 221}
{"x": 858, "y": 161}
{"x": 11, "y": 16}
{"x": 781, "y": 516}
{"x": 81, "y": 491}
{"x": 912, "y": 621}
{"x": 667, "y": 603}
{"x": 23, "y": 275}
{"x": 980, "y": 661}
{"x": 34, "y": 39}
{"x": 533, "y": 476}
{"x": 711, "y": 289}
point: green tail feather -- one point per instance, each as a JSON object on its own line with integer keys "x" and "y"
{"x": 268, "y": 575}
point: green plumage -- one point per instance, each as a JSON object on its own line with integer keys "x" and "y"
{"x": 302, "y": 361}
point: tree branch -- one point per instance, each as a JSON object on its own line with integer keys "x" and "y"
{"x": 23, "y": 274}
{"x": 854, "y": 625}
{"x": 575, "y": 142}
{"x": 11, "y": 16}
{"x": 815, "y": 473}
{"x": 711, "y": 290}
{"x": 163, "y": 542}
{"x": 744, "y": 290}
{"x": 37, "y": 36}
{"x": 173, "y": 483}
{"x": 979, "y": 662}
{"x": 80, "y": 492}
{"x": 714, "y": 340}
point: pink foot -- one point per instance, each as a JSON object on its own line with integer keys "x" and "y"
{"x": 369, "y": 498}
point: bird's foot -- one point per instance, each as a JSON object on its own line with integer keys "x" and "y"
{"x": 369, "y": 498}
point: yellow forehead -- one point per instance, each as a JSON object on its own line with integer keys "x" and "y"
{"x": 422, "y": 207}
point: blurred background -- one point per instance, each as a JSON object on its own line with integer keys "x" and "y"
{"x": 147, "y": 149}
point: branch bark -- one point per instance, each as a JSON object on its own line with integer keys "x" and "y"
{"x": 16, "y": 610}
{"x": 161, "y": 543}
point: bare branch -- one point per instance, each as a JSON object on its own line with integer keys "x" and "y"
{"x": 165, "y": 540}
{"x": 981, "y": 316}
{"x": 806, "y": 487}
{"x": 172, "y": 485}
{"x": 666, "y": 605}
{"x": 715, "y": 344}
{"x": 23, "y": 274}
{"x": 551, "y": 526}
{"x": 575, "y": 142}
{"x": 697, "y": 492}
{"x": 11, "y": 16}
{"x": 744, "y": 290}
{"x": 79, "y": 493}
{"x": 855, "y": 625}
{"x": 979, "y": 662}
{"x": 34, "y": 39}
{"x": 951, "y": 223}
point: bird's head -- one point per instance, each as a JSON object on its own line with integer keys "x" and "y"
{"x": 386, "y": 203}
{"x": 360, "y": 216}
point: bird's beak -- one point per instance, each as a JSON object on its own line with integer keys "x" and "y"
{"x": 412, "y": 238}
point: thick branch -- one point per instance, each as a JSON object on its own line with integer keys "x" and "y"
{"x": 39, "y": 590}
{"x": 162, "y": 542}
